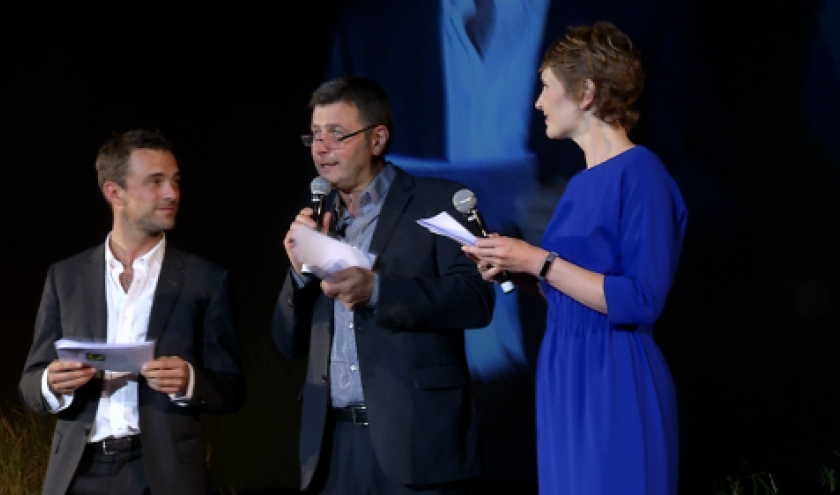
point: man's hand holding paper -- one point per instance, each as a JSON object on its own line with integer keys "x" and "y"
{"x": 167, "y": 374}
{"x": 64, "y": 377}
{"x": 303, "y": 218}
{"x": 353, "y": 286}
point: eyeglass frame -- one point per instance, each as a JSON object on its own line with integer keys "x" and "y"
{"x": 309, "y": 139}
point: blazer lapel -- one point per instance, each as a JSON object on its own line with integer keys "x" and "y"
{"x": 168, "y": 288}
{"x": 398, "y": 198}
{"x": 92, "y": 277}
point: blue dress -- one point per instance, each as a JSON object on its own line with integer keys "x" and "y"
{"x": 606, "y": 405}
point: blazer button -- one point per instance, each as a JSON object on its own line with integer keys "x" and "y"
{"x": 290, "y": 301}
{"x": 323, "y": 378}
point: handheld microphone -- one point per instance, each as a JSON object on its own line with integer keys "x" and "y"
{"x": 465, "y": 202}
{"x": 320, "y": 188}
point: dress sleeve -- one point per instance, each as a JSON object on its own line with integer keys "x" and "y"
{"x": 651, "y": 228}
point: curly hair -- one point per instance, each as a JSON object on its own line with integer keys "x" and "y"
{"x": 605, "y": 55}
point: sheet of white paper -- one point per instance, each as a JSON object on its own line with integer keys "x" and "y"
{"x": 110, "y": 357}
{"x": 443, "y": 224}
{"x": 324, "y": 255}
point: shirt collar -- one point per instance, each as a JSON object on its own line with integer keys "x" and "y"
{"x": 375, "y": 192}
{"x": 152, "y": 258}
{"x": 378, "y": 188}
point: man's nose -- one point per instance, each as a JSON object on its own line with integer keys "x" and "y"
{"x": 171, "y": 190}
{"x": 320, "y": 147}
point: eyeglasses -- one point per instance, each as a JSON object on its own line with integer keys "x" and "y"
{"x": 332, "y": 139}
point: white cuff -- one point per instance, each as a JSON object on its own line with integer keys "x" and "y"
{"x": 55, "y": 403}
{"x": 184, "y": 400}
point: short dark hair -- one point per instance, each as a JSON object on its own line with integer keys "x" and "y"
{"x": 370, "y": 100}
{"x": 113, "y": 157}
{"x": 603, "y": 53}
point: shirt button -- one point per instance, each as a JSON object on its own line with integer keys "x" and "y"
{"x": 351, "y": 325}
{"x": 352, "y": 367}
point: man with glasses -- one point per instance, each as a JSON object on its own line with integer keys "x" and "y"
{"x": 386, "y": 401}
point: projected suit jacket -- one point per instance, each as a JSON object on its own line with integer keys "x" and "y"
{"x": 410, "y": 347}
{"x": 190, "y": 317}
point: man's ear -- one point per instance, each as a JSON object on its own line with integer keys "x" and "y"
{"x": 379, "y": 139}
{"x": 113, "y": 193}
{"x": 588, "y": 95}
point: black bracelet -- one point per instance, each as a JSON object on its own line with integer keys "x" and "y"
{"x": 547, "y": 265}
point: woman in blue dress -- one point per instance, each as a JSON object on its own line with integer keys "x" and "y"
{"x": 606, "y": 405}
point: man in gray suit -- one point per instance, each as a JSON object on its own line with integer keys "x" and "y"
{"x": 134, "y": 433}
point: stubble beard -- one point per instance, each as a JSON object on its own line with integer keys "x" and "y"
{"x": 153, "y": 225}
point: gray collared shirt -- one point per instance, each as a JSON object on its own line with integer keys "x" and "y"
{"x": 345, "y": 380}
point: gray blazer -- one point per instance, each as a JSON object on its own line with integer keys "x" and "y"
{"x": 191, "y": 317}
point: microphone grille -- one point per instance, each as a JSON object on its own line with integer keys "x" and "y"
{"x": 464, "y": 200}
{"x": 320, "y": 186}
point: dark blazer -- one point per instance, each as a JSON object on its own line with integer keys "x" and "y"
{"x": 191, "y": 317}
{"x": 410, "y": 347}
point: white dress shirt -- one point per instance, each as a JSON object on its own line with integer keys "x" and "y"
{"x": 128, "y": 322}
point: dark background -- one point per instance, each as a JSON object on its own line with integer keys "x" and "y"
{"x": 741, "y": 104}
